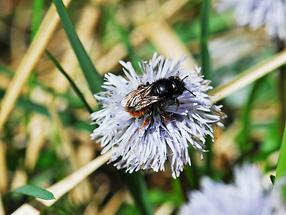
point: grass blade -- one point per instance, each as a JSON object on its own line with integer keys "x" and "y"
{"x": 36, "y": 192}
{"x": 93, "y": 78}
{"x": 206, "y": 67}
{"x": 37, "y": 16}
{"x": 281, "y": 166}
{"x": 205, "y": 56}
{"x": 72, "y": 83}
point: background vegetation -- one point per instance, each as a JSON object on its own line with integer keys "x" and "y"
{"x": 45, "y": 125}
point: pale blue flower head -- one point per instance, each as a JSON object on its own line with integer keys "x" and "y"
{"x": 270, "y": 14}
{"x": 137, "y": 146}
{"x": 248, "y": 195}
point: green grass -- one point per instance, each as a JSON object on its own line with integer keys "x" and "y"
{"x": 38, "y": 6}
{"x": 92, "y": 76}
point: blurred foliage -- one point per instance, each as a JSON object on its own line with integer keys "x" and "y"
{"x": 252, "y": 111}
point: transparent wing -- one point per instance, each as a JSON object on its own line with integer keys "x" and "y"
{"x": 140, "y": 98}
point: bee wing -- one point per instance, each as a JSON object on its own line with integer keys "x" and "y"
{"x": 140, "y": 98}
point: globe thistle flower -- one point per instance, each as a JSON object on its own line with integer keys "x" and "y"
{"x": 148, "y": 140}
{"x": 248, "y": 195}
{"x": 270, "y": 14}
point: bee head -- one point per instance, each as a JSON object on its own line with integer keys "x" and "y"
{"x": 169, "y": 87}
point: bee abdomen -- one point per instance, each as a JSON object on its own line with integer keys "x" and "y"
{"x": 137, "y": 113}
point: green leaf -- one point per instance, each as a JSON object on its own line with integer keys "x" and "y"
{"x": 36, "y": 192}
{"x": 92, "y": 77}
{"x": 72, "y": 83}
{"x": 281, "y": 166}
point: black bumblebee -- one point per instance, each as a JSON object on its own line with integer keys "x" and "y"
{"x": 151, "y": 97}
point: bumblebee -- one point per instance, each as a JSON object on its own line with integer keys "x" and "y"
{"x": 148, "y": 98}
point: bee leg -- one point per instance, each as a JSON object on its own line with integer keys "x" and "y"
{"x": 177, "y": 103}
{"x": 147, "y": 120}
{"x": 165, "y": 118}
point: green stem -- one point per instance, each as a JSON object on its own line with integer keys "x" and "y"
{"x": 281, "y": 165}
{"x": 37, "y": 16}
{"x": 136, "y": 185}
{"x": 205, "y": 56}
{"x": 192, "y": 173}
{"x": 71, "y": 82}
{"x": 206, "y": 66}
{"x": 281, "y": 87}
{"x": 243, "y": 138}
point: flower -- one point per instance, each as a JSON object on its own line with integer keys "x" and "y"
{"x": 247, "y": 196}
{"x": 138, "y": 146}
{"x": 259, "y": 13}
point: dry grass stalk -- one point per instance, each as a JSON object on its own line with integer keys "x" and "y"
{"x": 249, "y": 76}
{"x": 37, "y": 127}
{"x": 245, "y": 43}
{"x": 85, "y": 27}
{"x": 98, "y": 197}
{"x": 20, "y": 179}
{"x": 66, "y": 148}
{"x": 118, "y": 52}
{"x": 26, "y": 209}
{"x": 4, "y": 81}
{"x": 224, "y": 148}
{"x": 165, "y": 209}
{"x": 62, "y": 187}
{"x": 3, "y": 168}
{"x": 166, "y": 11}
{"x": 114, "y": 203}
{"x": 83, "y": 192}
{"x": 28, "y": 62}
{"x": 160, "y": 34}
{"x": 18, "y": 45}
{"x": 2, "y": 211}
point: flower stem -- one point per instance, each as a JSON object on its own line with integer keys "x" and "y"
{"x": 137, "y": 186}
{"x": 243, "y": 138}
{"x": 192, "y": 172}
{"x": 281, "y": 165}
{"x": 281, "y": 87}
{"x": 205, "y": 61}
{"x": 205, "y": 56}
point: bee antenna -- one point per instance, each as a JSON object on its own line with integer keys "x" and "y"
{"x": 190, "y": 92}
{"x": 185, "y": 77}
